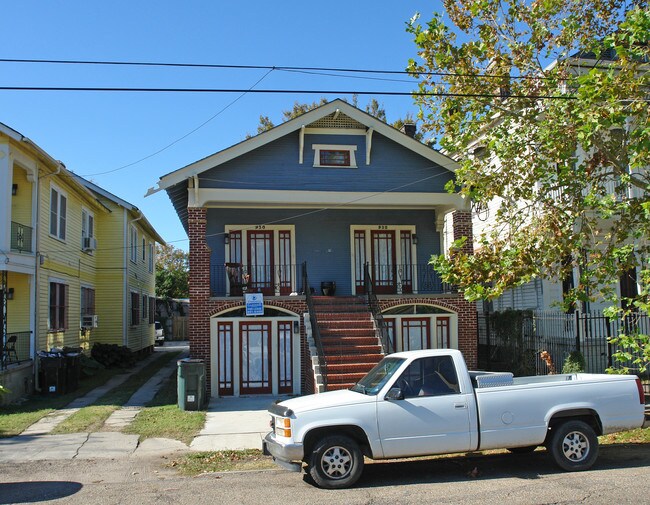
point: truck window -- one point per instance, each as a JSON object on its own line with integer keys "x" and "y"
{"x": 372, "y": 383}
{"x": 432, "y": 376}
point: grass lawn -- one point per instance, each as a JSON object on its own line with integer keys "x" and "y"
{"x": 163, "y": 419}
{"x": 14, "y": 419}
{"x": 91, "y": 418}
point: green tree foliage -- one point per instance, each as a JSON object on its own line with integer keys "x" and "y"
{"x": 545, "y": 104}
{"x": 172, "y": 272}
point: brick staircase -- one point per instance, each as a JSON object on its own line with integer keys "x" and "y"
{"x": 349, "y": 342}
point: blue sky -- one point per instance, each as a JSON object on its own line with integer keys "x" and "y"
{"x": 98, "y": 132}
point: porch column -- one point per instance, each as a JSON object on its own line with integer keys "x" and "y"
{"x": 199, "y": 324}
{"x": 6, "y": 180}
{"x": 462, "y": 227}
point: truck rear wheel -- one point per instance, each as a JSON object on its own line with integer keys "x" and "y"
{"x": 573, "y": 446}
{"x": 336, "y": 462}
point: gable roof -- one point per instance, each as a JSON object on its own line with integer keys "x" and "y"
{"x": 363, "y": 118}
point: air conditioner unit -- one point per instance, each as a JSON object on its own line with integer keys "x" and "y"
{"x": 91, "y": 321}
{"x": 90, "y": 244}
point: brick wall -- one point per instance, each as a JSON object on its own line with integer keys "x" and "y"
{"x": 462, "y": 225}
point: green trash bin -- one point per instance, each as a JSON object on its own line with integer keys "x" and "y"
{"x": 191, "y": 384}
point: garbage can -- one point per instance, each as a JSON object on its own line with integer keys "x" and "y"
{"x": 52, "y": 376}
{"x": 191, "y": 384}
{"x": 72, "y": 371}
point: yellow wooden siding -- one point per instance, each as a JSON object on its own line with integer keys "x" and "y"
{"x": 21, "y": 202}
{"x": 142, "y": 282}
{"x": 109, "y": 293}
{"x": 18, "y": 309}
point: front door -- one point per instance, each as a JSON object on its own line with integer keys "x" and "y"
{"x": 260, "y": 262}
{"x": 383, "y": 261}
{"x": 255, "y": 348}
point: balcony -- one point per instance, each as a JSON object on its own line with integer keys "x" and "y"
{"x": 404, "y": 279}
{"x": 21, "y": 238}
{"x": 234, "y": 279}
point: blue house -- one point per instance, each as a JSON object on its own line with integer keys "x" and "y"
{"x": 325, "y": 224}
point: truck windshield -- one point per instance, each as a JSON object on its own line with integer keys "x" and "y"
{"x": 372, "y": 383}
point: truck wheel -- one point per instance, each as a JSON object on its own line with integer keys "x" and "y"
{"x": 336, "y": 462}
{"x": 573, "y": 446}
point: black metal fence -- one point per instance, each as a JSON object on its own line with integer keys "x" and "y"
{"x": 514, "y": 340}
{"x": 21, "y": 237}
{"x": 234, "y": 279}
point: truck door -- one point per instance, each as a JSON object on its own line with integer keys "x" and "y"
{"x": 433, "y": 417}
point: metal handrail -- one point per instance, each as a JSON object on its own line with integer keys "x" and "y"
{"x": 21, "y": 237}
{"x": 381, "y": 329}
{"x": 315, "y": 331}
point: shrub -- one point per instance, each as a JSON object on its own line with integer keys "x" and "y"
{"x": 113, "y": 355}
{"x": 574, "y": 363}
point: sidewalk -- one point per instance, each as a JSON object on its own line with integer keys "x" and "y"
{"x": 231, "y": 423}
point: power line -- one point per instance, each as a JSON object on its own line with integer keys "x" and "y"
{"x": 259, "y": 67}
{"x": 281, "y": 91}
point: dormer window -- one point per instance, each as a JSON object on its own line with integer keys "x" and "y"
{"x": 335, "y": 156}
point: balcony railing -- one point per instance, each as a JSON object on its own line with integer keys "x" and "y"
{"x": 15, "y": 348}
{"x": 407, "y": 279}
{"x": 21, "y": 237}
{"x": 234, "y": 279}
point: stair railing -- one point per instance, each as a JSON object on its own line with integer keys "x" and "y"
{"x": 381, "y": 329}
{"x": 315, "y": 331}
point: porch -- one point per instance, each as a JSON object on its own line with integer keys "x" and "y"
{"x": 235, "y": 279}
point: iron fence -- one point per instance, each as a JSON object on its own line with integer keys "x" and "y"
{"x": 235, "y": 279}
{"x": 514, "y": 341}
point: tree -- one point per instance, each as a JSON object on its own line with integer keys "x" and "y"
{"x": 172, "y": 272}
{"x": 545, "y": 105}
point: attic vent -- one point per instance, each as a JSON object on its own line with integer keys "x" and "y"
{"x": 342, "y": 121}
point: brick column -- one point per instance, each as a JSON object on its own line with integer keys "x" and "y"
{"x": 462, "y": 225}
{"x": 467, "y": 317}
{"x": 199, "y": 288}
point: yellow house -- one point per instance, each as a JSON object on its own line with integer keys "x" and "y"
{"x": 77, "y": 264}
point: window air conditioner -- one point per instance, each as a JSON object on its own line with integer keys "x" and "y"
{"x": 91, "y": 321}
{"x": 90, "y": 244}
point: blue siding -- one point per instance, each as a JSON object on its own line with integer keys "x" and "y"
{"x": 323, "y": 238}
{"x": 275, "y": 166}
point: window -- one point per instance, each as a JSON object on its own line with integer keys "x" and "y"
{"x": 135, "y": 309}
{"x": 433, "y": 376}
{"x": 58, "y": 213}
{"x": 152, "y": 309}
{"x": 58, "y": 306}
{"x": 151, "y": 257}
{"x": 87, "y": 228}
{"x": 87, "y": 302}
{"x": 144, "y": 248}
{"x": 133, "y": 243}
{"x": 145, "y": 313}
{"x": 334, "y": 156}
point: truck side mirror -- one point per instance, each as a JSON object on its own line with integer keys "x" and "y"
{"x": 394, "y": 394}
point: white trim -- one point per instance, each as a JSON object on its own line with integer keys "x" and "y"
{"x": 236, "y": 351}
{"x": 335, "y": 131}
{"x": 351, "y": 149}
{"x": 268, "y": 199}
{"x": 262, "y": 139}
{"x": 367, "y": 228}
{"x": 369, "y": 144}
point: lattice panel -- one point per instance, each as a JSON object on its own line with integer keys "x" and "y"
{"x": 342, "y": 121}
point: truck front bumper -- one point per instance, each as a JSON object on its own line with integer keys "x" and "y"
{"x": 288, "y": 456}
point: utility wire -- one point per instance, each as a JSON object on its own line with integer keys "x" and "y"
{"x": 259, "y": 67}
{"x": 186, "y": 135}
{"x": 281, "y": 91}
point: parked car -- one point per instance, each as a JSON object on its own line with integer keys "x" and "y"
{"x": 160, "y": 333}
{"x": 422, "y": 403}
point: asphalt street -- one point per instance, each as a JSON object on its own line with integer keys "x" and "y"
{"x": 620, "y": 476}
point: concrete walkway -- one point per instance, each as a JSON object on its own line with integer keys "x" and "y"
{"x": 231, "y": 423}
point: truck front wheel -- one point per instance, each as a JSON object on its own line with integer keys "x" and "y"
{"x": 573, "y": 446}
{"x": 336, "y": 462}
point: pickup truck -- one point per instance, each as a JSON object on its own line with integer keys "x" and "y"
{"x": 419, "y": 403}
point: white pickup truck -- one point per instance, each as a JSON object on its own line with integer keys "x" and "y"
{"x": 426, "y": 402}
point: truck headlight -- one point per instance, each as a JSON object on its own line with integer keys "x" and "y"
{"x": 283, "y": 426}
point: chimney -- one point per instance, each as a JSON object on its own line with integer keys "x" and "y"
{"x": 409, "y": 129}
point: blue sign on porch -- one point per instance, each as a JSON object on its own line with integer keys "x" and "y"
{"x": 254, "y": 304}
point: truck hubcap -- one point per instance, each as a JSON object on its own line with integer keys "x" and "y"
{"x": 575, "y": 446}
{"x": 336, "y": 462}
